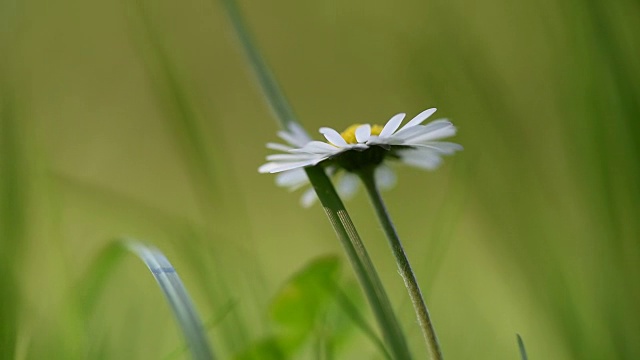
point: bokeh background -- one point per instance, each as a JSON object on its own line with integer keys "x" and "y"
{"x": 140, "y": 118}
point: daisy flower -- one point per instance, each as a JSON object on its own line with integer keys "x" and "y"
{"x": 359, "y": 147}
{"x": 295, "y": 137}
{"x": 346, "y": 183}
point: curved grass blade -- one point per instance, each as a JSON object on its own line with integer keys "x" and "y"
{"x": 183, "y": 112}
{"x": 177, "y": 296}
{"x": 214, "y": 321}
{"x": 523, "y": 351}
{"x": 333, "y": 206}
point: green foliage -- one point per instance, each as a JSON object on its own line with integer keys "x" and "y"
{"x": 268, "y": 349}
{"x": 300, "y": 305}
{"x": 312, "y": 310}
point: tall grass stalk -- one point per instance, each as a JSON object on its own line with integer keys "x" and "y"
{"x": 333, "y": 206}
{"x": 410, "y": 281}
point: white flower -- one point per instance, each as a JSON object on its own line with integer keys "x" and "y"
{"x": 346, "y": 183}
{"x": 295, "y": 136}
{"x": 416, "y": 144}
{"x": 359, "y": 147}
{"x": 310, "y": 154}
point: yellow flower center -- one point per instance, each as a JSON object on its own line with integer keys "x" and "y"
{"x": 349, "y": 134}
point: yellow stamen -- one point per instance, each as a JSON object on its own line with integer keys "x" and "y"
{"x": 349, "y": 134}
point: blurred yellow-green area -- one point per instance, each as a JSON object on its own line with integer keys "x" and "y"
{"x": 141, "y": 118}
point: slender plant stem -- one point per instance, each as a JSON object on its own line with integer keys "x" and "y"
{"x": 331, "y": 202}
{"x": 410, "y": 282}
{"x": 361, "y": 262}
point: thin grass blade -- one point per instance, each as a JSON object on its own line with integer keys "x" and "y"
{"x": 523, "y": 351}
{"x": 177, "y": 296}
{"x": 275, "y": 97}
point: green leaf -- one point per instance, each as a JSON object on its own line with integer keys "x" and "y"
{"x": 266, "y": 349}
{"x": 313, "y": 308}
{"x": 302, "y": 302}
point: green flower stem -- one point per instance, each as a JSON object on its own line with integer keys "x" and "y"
{"x": 410, "y": 282}
{"x": 361, "y": 262}
{"x": 333, "y": 206}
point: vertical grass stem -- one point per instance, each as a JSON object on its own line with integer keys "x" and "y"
{"x": 410, "y": 282}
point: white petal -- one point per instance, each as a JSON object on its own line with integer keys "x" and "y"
{"x": 295, "y": 135}
{"x": 279, "y": 147}
{"x": 408, "y": 135}
{"x": 418, "y": 119}
{"x": 440, "y": 133}
{"x": 437, "y": 124}
{"x": 299, "y": 134}
{"x": 333, "y": 137}
{"x": 291, "y": 157}
{"x": 308, "y": 198}
{"x": 289, "y": 138}
{"x": 385, "y": 177}
{"x": 356, "y": 147}
{"x": 404, "y": 134}
{"x": 347, "y": 185}
{"x": 275, "y": 167}
{"x": 421, "y": 158}
{"x": 292, "y": 179}
{"x": 392, "y": 125}
{"x": 363, "y": 133}
{"x": 316, "y": 147}
{"x": 442, "y": 147}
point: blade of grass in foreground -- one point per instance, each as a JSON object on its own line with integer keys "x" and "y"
{"x": 206, "y": 170}
{"x": 333, "y": 206}
{"x": 523, "y": 351}
{"x": 177, "y": 296}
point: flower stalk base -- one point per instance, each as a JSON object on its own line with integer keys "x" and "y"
{"x": 410, "y": 282}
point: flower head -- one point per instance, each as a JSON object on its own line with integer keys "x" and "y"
{"x": 359, "y": 147}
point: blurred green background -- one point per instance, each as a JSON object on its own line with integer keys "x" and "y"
{"x": 141, "y": 119}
